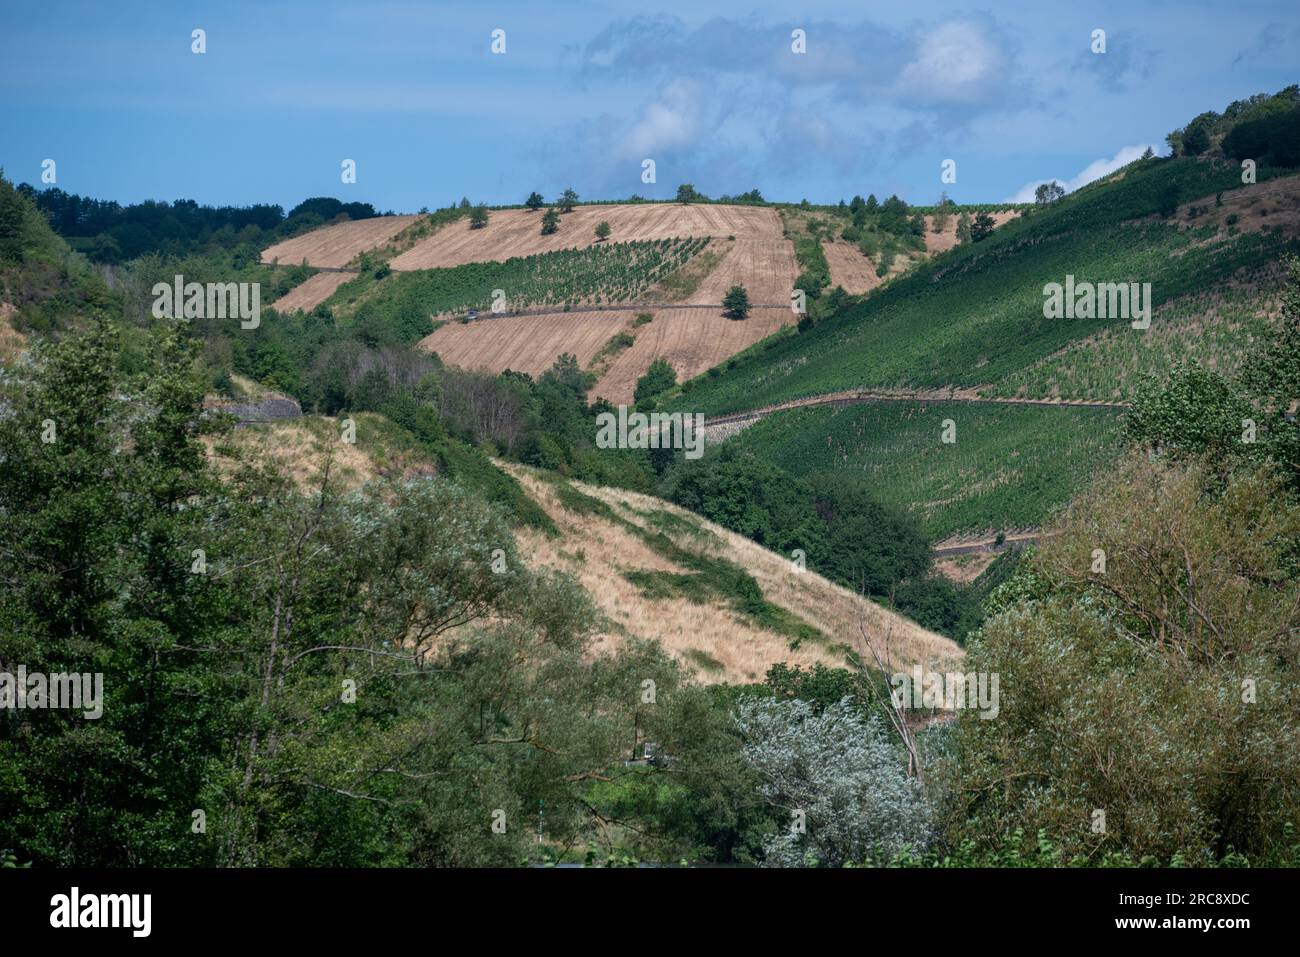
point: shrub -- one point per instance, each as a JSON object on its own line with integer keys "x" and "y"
{"x": 842, "y": 773}
{"x": 658, "y": 377}
{"x": 1144, "y": 666}
{"x": 1271, "y": 139}
{"x": 981, "y": 228}
{"x": 736, "y": 302}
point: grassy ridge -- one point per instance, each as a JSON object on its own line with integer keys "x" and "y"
{"x": 1008, "y": 468}
{"x": 975, "y": 315}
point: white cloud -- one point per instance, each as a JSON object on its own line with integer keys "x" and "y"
{"x": 1093, "y": 171}
{"x": 671, "y": 122}
{"x": 956, "y": 62}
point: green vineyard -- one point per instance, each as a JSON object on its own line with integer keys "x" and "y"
{"x": 1211, "y": 329}
{"x": 1009, "y": 466}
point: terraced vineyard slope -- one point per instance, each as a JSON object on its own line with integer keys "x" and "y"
{"x": 517, "y": 232}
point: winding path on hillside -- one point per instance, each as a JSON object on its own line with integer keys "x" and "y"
{"x": 557, "y": 308}
{"x": 967, "y": 396}
{"x": 953, "y": 547}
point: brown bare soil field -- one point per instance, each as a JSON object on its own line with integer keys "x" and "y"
{"x": 691, "y": 340}
{"x": 598, "y": 551}
{"x": 850, "y": 269}
{"x": 333, "y": 246}
{"x": 765, "y": 267}
{"x": 517, "y": 232}
{"x": 308, "y": 295}
{"x": 1259, "y": 206}
{"x": 525, "y": 343}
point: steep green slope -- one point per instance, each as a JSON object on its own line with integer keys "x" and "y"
{"x": 43, "y": 283}
{"x": 975, "y": 315}
{"x": 1007, "y": 467}
{"x": 1214, "y": 328}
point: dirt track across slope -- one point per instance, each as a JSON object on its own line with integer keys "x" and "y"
{"x": 720, "y": 427}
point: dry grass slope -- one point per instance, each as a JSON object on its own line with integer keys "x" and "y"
{"x": 710, "y": 639}
{"x": 12, "y": 342}
{"x": 596, "y": 551}
{"x": 302, "y": 448}
{"x": 1273, "y": 204}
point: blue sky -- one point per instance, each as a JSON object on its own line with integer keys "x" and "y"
{"x": 586, "y": 91}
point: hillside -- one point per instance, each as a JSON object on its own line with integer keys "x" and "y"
{"x": 1009, "y": 465}
{"x": 767, "y": 519}
{"x": 517, "y": 232}
{"x": 691, "y": 340}
{"x": 974, "y": 316}
{"x": 637, "y": 555}
{"x": 973, "y": 320}
{"x": 855, "y": 266}
{"x": 45, "y": 288}
{"x": 456, "y": 266}
{"x": 625, "y": 548}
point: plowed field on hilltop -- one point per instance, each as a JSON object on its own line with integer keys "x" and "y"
{"x": 942, "y": 242}
{"x": 518, "y": 232}
{"x": 333, "y": 246}
{"x": 525, "y": 343}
